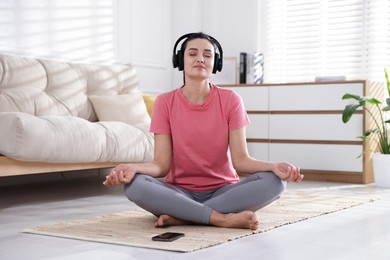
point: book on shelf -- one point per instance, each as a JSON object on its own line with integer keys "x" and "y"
{"x": 243, "y": 64}
{"x": 251, "y": 68}
{"x": 330, "y": 78}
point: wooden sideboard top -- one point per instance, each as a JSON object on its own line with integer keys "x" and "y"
{"x": 294, "y": 83}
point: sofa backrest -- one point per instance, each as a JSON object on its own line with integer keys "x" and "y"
{"x": 46, "y": 87}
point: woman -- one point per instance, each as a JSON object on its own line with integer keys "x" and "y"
{"x": 200, "y": 145}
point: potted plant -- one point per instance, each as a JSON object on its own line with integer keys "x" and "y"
{"x": 378, "y": 134}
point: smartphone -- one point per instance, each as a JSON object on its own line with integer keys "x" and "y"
{"x": 167, "y": 236}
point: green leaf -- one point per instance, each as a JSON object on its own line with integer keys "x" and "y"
{"x": 351, "y": 96}
{"x": 367, "y": 134}
{"x": 374, "y": 101}
{"x": 373, "y": 131}
{"x": 364, "y": 138}
{"x": 349, "y": 110}
{"x": 387, "y": 81}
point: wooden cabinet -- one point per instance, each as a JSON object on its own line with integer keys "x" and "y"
{"x": 302, "y": 123}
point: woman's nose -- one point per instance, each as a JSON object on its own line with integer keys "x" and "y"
{"x": 200, "y": 59}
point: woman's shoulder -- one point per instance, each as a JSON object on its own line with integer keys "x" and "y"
{"x": 226, "y": 92}
{"x": 166, "y": 96}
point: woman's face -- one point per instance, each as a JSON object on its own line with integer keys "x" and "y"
{"x": 199, "y": 59}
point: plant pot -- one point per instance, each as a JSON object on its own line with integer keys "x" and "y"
{"x": 381, "y": 164}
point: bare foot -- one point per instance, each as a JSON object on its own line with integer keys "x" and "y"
{"x": 245, "y": 219}
{"x": 166, "y": 221}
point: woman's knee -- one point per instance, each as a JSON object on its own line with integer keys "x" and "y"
{"x": 272, "y": 180}
{"x": 133, "y": 190}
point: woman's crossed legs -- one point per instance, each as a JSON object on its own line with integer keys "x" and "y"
{"x": 233, "y": 205}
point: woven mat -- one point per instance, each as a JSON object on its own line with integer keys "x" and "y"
{"x": 135, "y": 227}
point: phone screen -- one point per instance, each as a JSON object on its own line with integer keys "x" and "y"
{"x": 168, "y": 236}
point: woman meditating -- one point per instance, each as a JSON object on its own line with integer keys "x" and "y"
{"x": 199, "y": 146}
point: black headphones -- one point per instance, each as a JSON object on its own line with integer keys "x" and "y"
{"x": 178, "y": 58}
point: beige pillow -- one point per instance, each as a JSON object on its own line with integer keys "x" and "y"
{"x": 128, "y": 108}
{"x": 149, "y": 102}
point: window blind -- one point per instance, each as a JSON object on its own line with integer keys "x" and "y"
{"x": 308, "y": 38}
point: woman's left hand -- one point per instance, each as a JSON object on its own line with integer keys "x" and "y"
{"x": 287, "y": 172}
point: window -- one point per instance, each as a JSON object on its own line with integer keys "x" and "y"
{"x": 77, "y": 30}
{"x": 303, "y": 39}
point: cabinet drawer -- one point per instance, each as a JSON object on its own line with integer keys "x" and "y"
{"x": 254, "y": 98}
{"x": 258, "y": 151}
{"x": 258, "y": 127}
{"x": 315, "y": 127}
{"x": 312, "y": 97}
{"x": 319, "y": 157}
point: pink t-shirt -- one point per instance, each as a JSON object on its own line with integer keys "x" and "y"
{"x": 200, "y": 137}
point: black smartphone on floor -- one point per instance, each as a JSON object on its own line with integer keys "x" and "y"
{"x": 167, "y": 236}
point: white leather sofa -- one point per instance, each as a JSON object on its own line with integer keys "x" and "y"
{"x": 58, "y": 116}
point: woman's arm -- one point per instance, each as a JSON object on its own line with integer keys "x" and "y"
{"x": 243, "y": 163}
{"x": 159, "y": 167}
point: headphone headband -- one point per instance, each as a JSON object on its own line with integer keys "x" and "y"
{"x": 178, "y": 58}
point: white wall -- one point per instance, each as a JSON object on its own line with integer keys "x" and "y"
{"x": 141, "y": 32}
{"x": 233, "y": 23}
{"x": 148, "y": 37}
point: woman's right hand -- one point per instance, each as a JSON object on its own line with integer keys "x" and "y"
{"x": 121, "y": 174}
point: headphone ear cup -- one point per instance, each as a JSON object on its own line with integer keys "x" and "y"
{"x": 217, "y": 63}
{"x": 180, "y": 60}
{"x": 216, "y": 58}
{"x": 220, "y": 63}
{"x": 174, "y": 61}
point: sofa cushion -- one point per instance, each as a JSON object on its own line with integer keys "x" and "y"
{"x": 68, "y": 139}
{"x": 43, "y": 87}
{"x": 127, "y": 108}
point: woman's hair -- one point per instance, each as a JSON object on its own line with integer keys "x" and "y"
{"x": 199, "y": 35}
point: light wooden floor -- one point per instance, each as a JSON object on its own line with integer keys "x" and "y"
{"x": 361, "y": 232}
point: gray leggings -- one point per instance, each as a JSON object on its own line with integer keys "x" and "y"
{"x": 252, "y": 193}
